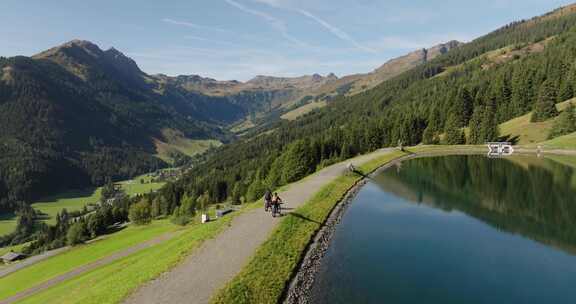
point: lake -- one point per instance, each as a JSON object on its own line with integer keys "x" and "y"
{"x": 457, "y": 229}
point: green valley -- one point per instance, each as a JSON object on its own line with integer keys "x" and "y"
{"x": 122, "y": 186}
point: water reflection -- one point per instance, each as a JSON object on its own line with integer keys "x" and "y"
{"x": 425, "y": 232}
{"x": 525, "y": 195}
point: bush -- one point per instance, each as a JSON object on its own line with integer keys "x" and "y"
{"x": 140, "y": 213}
{"x": 76, "y": 234}
{"x": 180, "y": 220}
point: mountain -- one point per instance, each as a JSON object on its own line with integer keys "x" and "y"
{"x": 357, "y": 83}
{"x": 476, "y": 85}
{"x": 76, "y": 115}
{"x": 265, "y": 98}
{"x": 262, "y": 98}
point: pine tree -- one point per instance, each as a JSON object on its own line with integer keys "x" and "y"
{"x": 475, "y": 126}
{"x": 565, "y": 123}
{"x": 489, "y": 126}
{"x": 545, "y": 107}
{"x": 566, "y": 90}
{"x": 465, "y": 106}
{"x": 522, "y": 91}
{"x": 298, "y": 161}
{"x": 430, "y": 137}
{"x": 454, "y": 135}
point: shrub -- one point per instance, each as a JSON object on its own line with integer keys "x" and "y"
{"x": 140, "y": 213}
{"x": 180, "y": 220}
{"x": 76, "y": 234}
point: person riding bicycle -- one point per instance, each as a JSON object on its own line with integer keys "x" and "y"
{"x": 267, "y": 200}
{"x": 276, "y": 201}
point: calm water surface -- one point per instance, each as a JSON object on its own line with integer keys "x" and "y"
{"x": 457, "y": 229}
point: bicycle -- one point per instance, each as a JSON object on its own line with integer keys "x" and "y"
{"x": 276, "y": 209}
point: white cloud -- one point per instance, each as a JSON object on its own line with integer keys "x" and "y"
{"x": 198, "y": 38}
{"x": 274, "y": 22}
{"x": 336, "y": 31}
{"x": 194, "y": 25}
{"x": 292, "y": 5}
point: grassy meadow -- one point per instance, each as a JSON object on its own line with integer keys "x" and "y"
{"x": 300, "y": 111}
{"x": 81, "y": 255}
{"x": 77, "y": 199}
{"x": 528, "y": 132}
{"x": 562, "y": 142}
{"x": 8, "y": 223}
{"x": 113, "y": 282}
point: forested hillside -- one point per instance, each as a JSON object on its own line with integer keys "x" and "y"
{"x": 523, "y": 66}
{"x": 75, "y": 116}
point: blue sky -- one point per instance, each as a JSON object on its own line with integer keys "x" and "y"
{"x": 238, "y": 39}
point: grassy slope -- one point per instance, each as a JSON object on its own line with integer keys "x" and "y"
{"x": 562, "y": 142}
{"x": 176, "y": 141}
{"x": 113, "y": 282}
{"x": 294, "y": 114}
{"x": 81, "y": 255}
{"x": 264, "y": 278}
{"x": 529, "y": 132}
{"x": 76, "y": 200}
{"x": 7, "y": 223}
{"x": 71, "y": 200}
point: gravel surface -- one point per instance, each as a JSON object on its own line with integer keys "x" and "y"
{"x": 29, "y": 261}
{"x": 218, "y": 260}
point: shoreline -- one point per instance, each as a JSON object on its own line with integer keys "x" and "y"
{"x": 300, "y": 285}
{"x": 299, "y": 288}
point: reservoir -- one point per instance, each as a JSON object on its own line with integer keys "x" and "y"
{"x": 457, "y": 229}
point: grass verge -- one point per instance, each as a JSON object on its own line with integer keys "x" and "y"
{"x": 270, "y": 269}
{"x": 115, "y": 281}
{"x": 81, "y": 255}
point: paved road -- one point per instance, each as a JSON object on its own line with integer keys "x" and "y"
{"x": 218, "y": 260}
{"x": 88, "y": 267}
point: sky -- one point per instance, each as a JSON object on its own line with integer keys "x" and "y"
{"x": 239, "y": 39}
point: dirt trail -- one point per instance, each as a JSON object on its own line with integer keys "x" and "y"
{"x": 218, "y": 260}
{"x": 88, "y": 267}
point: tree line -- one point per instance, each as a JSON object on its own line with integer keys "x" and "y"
{"x": 433, "y": 103}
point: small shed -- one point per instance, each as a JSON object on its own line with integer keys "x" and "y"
{"x": 12, "y": 257}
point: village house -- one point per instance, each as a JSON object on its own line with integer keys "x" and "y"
{"x": 12, "y": 257}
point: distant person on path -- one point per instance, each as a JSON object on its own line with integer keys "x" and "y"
{"x": 276, "y": 201}
{"x": 267, "y": 200}
{"x": 351, "y": 167}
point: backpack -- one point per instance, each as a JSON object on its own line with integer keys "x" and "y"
{"x": 268, "y": 196}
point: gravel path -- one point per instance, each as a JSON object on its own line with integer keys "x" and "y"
{"x": 88, "y": 267}
{"x": 218, "y": 260}
{"x": 30, "y": 261}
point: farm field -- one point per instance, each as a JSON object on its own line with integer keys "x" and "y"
{"x": 113, "y": 282}
{"x": 7, "y": 223}
{"x": 76, "y": 200}
{"x": 81, "y": 255}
